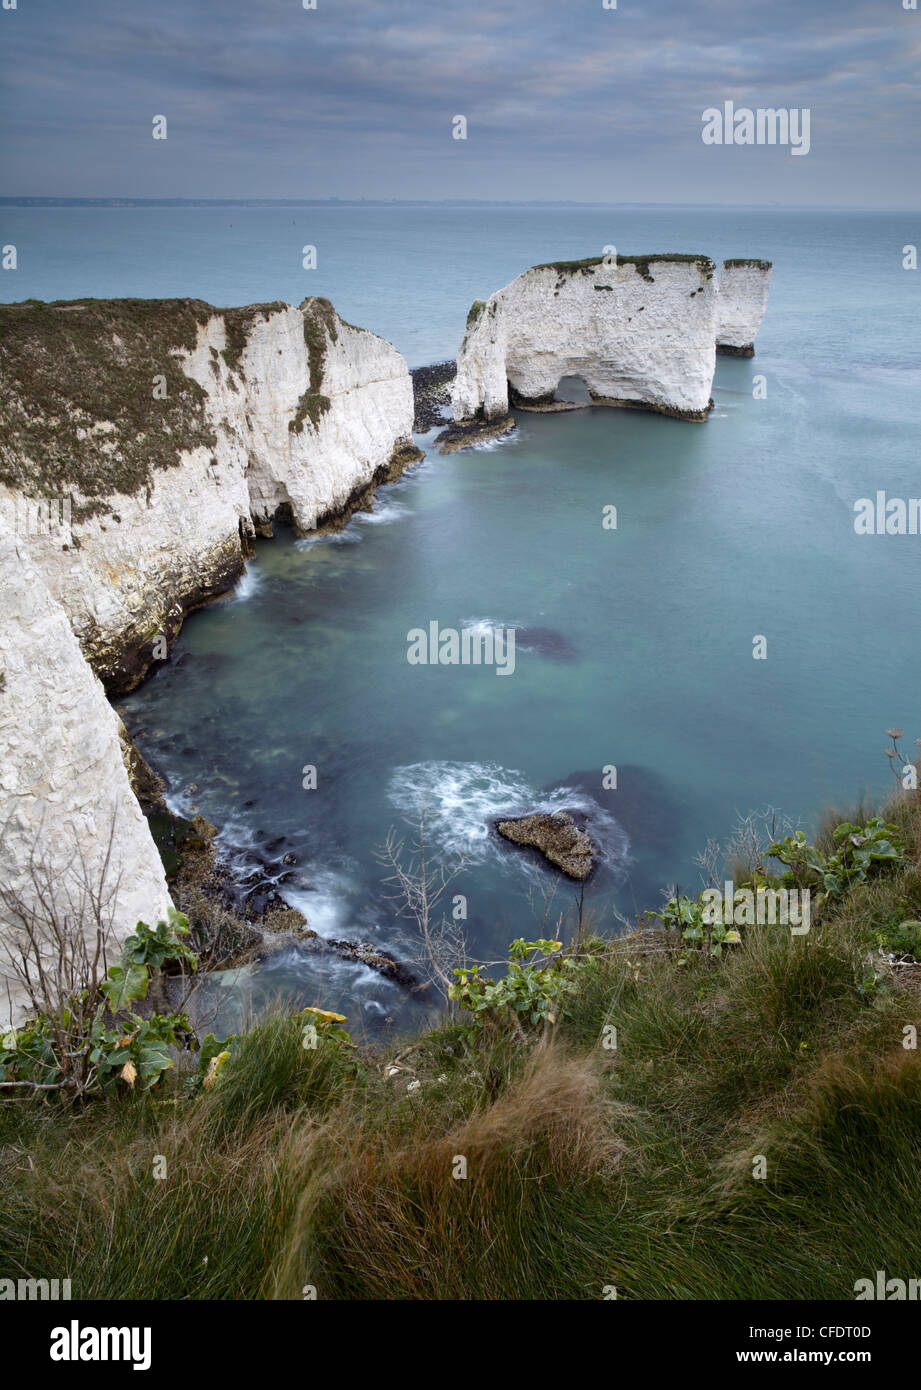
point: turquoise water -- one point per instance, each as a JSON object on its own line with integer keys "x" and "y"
{"x": 641, "y": 647}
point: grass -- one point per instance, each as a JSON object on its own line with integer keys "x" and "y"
{"x": 67, "y": 368}
{"x": 642, "y": 263}
{"x": 585, "y": 1167}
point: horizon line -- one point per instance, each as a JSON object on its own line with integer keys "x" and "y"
{"x": 53, "y": 200}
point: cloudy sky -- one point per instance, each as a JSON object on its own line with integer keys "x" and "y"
{"x": 563, "y": 100}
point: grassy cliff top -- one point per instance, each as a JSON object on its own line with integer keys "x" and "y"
{"x": 590, "y": 262}
{"x": 681, "y": 1126}
{"x": 69, "y": 367}
{"x": 757, "y": 265}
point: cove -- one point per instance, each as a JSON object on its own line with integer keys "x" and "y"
{"x": 306, "y": 664}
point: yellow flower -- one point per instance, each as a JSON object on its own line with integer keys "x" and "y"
{"x": 325, "y": 1014}
{"x": 214, "y": 1067}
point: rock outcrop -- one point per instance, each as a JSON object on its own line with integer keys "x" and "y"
{"x": 743, "y": 297}
{"x": 558, "y": 839}
{"x": 640, "y": 331}
{"x": 70, "y": 826}
{"x": 174, "y": 432}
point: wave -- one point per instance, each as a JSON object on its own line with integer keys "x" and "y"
{"x": 485, "y": 625}
{"x": 461, "y": 802}
{"x": 325, "y": 902}
{"x": 384, "y": 510}
{"x": 249, "y": 583}
{"x": 348, "y": 536}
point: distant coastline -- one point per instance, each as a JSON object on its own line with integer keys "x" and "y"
{"x": 55, "y": 202}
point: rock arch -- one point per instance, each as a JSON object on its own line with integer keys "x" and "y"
{"x": 641, "y": 332}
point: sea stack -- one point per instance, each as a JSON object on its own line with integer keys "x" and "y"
{"x": 641, "y": 332}
{"x": 743, "y": 297}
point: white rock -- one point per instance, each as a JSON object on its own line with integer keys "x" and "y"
{"x": 639, "y": 333}
{"x": 305, "y": 416}
{"x": 643, "y": 333}
{"x": 743, "y": 297}
{"x": 183, "y": 540}
{"x": 65, "y": 798}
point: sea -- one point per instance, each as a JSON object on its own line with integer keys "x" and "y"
{"x": 733, "y": 648}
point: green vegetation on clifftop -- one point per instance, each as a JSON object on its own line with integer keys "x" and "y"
{"x": 586, "y": 1164}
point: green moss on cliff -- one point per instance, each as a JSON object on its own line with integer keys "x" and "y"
{"x": 78, "y": 411}
{"x": 641, "y": 263}
{"x": 590, "y": 262}
{"x": 238, "y": 325}
{"x": 475, "y": 313}
{"x": 321, "y": 327}
{"x": 757, "y": 265}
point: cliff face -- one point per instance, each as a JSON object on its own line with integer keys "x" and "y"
{"x": 143, "y": 444}
{"x": 641, "y": 333}
{"x": 176, "y": 431}
{"x": 743, "y": 297}
{"x": 69, "y": 821}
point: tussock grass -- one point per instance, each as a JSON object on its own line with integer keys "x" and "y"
{"x": 585, "y": 1167}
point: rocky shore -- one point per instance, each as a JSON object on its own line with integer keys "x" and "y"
{"x": 432, "y": 394}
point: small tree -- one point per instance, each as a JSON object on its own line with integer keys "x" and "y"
{"x": 419, "y": 886}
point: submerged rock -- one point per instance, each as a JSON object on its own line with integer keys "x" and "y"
{"x": 363, "y": 953}
{"x": 466, "y": 435}
{"x": 548, "y": 641}
{"x": 557, "y": 837}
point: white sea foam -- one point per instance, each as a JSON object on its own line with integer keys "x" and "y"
{"x": 249, "y": 583}
{"x": 485, "y": 625}
{"x": 325, "y": 902}
{"x": 349, "y": 536}
{"x": 386, "y": 509}
{"x": 461, "y": 802}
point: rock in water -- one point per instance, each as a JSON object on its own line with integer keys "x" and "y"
{"x": 640, "y": 332}
{"x": 558, "y": 838}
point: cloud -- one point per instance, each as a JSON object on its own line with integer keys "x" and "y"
{"x": 358, "y": 96}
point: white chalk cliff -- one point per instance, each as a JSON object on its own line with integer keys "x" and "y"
{"x": 743, "y": 297}
{"x": 65, "y": 798}
{"x": 265, "y": 408}
{"x": 640, "y": 332}
{"x": 169, "y": 433}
